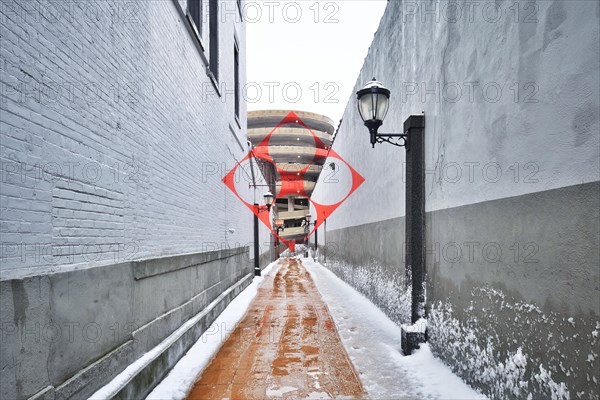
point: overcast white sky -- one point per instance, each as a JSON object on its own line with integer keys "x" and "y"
{"x": 306, "y": 54}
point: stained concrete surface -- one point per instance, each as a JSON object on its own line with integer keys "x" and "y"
{"x": 286, "y": 346}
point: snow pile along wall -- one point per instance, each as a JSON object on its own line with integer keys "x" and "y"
{"x": 387, "y": 291}
{"x": 471, "y": 343}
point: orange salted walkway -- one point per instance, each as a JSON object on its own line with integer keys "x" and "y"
{"x": 286, "y": 346}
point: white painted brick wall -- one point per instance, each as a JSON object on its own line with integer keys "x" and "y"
{"x": 110, "y": 131}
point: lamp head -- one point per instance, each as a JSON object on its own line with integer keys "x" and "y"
{"x": 269, "y": 199}
{"x": 373, "y": 105}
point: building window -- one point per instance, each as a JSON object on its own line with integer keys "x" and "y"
{"x": 236, "y": 78}
{"x": 214, "y": 39}
{"x": 195, "y": 13}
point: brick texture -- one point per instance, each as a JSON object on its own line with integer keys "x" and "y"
{"x": 114, "y": 139}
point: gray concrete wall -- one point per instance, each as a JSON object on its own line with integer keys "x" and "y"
{"x": 519, "y": 276}
{"x": 512, "y": 167}
{"x": 76, "y": 330}
{"x": 505, "y": 277}
{"x": 371, "y": 258}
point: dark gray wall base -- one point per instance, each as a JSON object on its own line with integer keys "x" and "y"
{"x": 384, "y": 285}
{"x": 378, "y": 242}
{"x": 370, "y": 257}
{"x": 506, "y": 278}
{"x": 516, "y": 276}
{"x": 265, "y": 259}
{"x": 74, "y": 331}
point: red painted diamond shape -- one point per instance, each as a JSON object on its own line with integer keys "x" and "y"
{"x": 292, "y": 182}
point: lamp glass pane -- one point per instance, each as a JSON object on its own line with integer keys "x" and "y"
{"x": 268, "y": 199}
{"x": 383, "y": 103}
{"x": 366, "y": 107}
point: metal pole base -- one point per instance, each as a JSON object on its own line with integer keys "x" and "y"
{"x": 257, "y": 271}
{"x": 411, "y": 340}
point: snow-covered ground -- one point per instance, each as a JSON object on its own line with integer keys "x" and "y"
{"x": 372, "y": 341}
{"x": 184, "y": 374}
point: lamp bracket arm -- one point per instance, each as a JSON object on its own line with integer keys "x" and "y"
{"x": 392, "y": 134}
{"x": 397, "y": 139}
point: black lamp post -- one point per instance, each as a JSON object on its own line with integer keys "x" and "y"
{"x": 276, "y": 240}
{"x": 268, "y": 202}
{"x": 307, "y": 224}
{"x": 373, "y": 104}
{"x": 316, "y": 241}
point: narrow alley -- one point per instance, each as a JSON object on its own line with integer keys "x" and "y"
{"x": 279, "y": 199}
{"x": 286, "y": 345}
{"x": 303, "y": 333}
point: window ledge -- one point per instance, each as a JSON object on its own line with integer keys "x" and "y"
{"x": 214, "y": 80}
{"x": 236, "y": 134}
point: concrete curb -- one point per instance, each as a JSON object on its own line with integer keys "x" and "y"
{"x": 145, "y": 373}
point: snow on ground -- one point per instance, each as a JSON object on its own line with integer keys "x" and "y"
{"x": 372, "y": 341}
{"x": 184, "y": 374}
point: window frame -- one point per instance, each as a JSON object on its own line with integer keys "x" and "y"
{"x": 239, "y": 7}
{"x": 196, "y": 27}
{"x": 236, "y": 80}
{"x": 214, "y": 40}
{"x": 197, "y": 39}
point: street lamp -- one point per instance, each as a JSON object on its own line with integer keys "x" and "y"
{"x": 316, "y": 240}
{"x": 277, "y": 229}
{"x": 373, "y": 105}
{"x": 269, "y": 200}
{"x": 309, "y": 224}
{"x": 306, "y": 223}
